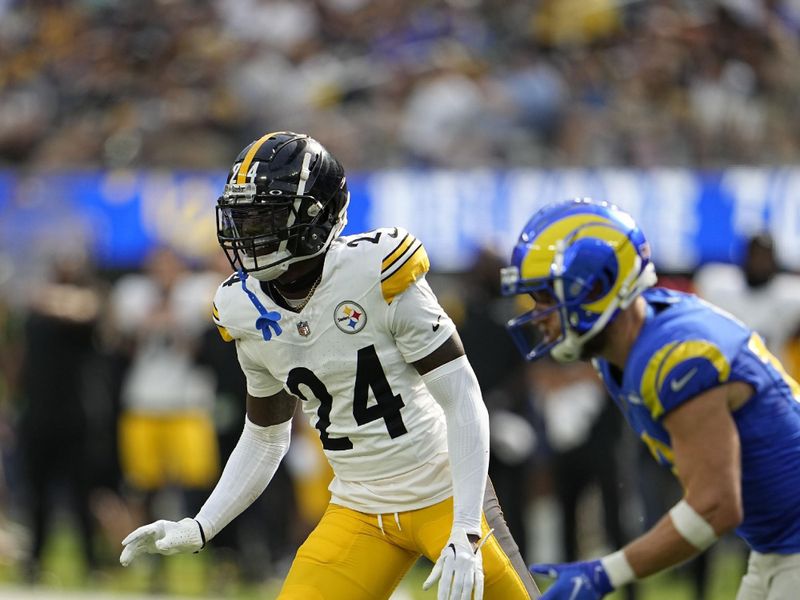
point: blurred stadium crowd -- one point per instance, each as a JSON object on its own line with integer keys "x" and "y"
{"x": 182, "y": 83}
{"x": 93, "y": 363}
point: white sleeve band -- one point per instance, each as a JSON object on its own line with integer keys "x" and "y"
{"x": 692, "y": 527}
{"x": 248, "y": 471}
{"x": 455, "y": 387}
{"x": 618, "y": 569}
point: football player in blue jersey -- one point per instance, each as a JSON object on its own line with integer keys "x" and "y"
{"x": 699, "y": 388}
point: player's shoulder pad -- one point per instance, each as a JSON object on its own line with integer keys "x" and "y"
{"x": 402, "y": 257}
{"x": 679, "y": 369}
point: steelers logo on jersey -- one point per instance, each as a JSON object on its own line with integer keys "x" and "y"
{"x": 350, "y": 317}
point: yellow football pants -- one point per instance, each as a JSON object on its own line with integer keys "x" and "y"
{"x": 179, "y": 448}
{"x": 354, "y": 556}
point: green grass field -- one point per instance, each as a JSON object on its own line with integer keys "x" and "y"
{"x": 200, "y": 576}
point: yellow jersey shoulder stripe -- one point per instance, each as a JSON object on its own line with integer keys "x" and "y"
{"x": 399, "y": 250}
{"x": 402, "y": 267}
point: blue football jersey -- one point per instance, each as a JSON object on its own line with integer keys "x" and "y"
{"x": 687, "y": 346}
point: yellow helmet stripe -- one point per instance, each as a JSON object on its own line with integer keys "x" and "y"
{"x": 626, "y": 260}
{"x": 539, "y": 260}
{"x": 241, "y": 176}
{"x": 540, "y": 256}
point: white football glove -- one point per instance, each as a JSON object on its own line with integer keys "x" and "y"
{"x": 459, "y": 569}
{"x": 163, "y": 537}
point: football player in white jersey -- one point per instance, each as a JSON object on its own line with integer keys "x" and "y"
{"x": 349, "y": 326}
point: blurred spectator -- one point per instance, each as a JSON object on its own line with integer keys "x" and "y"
{"x": 166, "y": 430}
{"x": 756, "y": 291}
{"x": 582, "y": 429}
{"x": 53, "y": 429}
{"x": 12, "y": 548}
{"x": 591, "y": 82}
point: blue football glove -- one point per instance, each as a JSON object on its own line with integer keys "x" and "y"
{"x": 575, "y": 581}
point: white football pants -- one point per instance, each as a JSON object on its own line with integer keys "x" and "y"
{"x": 771, "y": 577}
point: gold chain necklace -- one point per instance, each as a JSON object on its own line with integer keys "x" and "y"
{"x": 305, "y": 300}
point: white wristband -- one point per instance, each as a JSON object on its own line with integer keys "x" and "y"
{"x": 618, "y": 569}
{"x": 692, "y": 527}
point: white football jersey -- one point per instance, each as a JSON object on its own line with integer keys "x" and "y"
{"x": 346, "y": 355}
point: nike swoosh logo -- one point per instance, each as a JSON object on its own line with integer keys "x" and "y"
{"x": 436, "y": 326}
{"x": 676, "y": 385}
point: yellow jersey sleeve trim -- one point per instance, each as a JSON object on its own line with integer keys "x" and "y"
{"x": 648, "y": 390}
{"x": 695, "y": 349}
{"x": 667, "y": 358}
{"x": 409, "y": 266}
{"x": 224, "y": 333}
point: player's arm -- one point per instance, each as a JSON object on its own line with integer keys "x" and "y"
{"x": 252, "y": 464}
{"x": 428, "y": 340}
{"x": 449, "y": 351}
{"x": 705, "y": 443}
{"x": 451, "y": 381}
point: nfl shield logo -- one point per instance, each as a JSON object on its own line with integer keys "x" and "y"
{"x": 303, "y": 328}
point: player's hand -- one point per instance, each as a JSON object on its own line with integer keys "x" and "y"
{"x": 575, "y": 581}
{"x": 459, "y": 569}
{"x": 162, "y": 537}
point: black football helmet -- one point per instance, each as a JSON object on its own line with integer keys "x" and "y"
{"x": 285, "y": 201}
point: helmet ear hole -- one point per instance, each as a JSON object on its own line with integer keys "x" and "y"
{"x": 312, "y": 240}
{"x": 597, "y": 291}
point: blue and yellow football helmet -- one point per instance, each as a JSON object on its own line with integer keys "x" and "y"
{"x": 582, "y": 260}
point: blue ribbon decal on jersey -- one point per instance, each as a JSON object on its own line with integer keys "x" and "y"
{"x": 267, "y": 321}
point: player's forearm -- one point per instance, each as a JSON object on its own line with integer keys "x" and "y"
{"x": 680, "y": 534}
{"x": 456, "y": 389}
{"x": 660, "y": 548}
{"x": 249, "y": 469}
